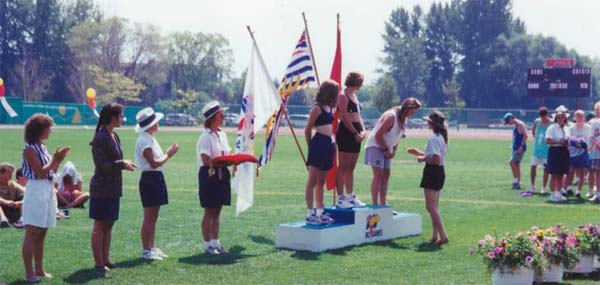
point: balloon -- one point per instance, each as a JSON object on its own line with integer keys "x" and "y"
{"x": 62, "y": 110}
{"x": 1, "y": 82}
{"x": 90, "y": 93}
{"x": 92, "y": 103}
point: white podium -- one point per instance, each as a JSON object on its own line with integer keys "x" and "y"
{"x": 352, "y": 227}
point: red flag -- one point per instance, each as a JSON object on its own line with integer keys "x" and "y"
{"x": 336, "y": 75}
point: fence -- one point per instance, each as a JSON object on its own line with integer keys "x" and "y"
{"x": 62, "y": 113}
{"x": 81, "y": 114}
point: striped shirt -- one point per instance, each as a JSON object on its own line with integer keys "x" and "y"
{"x": 44, "y": 157}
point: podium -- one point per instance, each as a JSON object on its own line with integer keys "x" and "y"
{"x": 352, "y": 227}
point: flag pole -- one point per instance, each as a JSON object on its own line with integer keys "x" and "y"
{"x": 310, "y": 46}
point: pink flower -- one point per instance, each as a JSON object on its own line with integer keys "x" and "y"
{"x": 491, "y": 255}
{"x": 498, "y": 250}
{"x": 480, "y": 243}
{"x": 535, "y": 229}
{"x": 529, "y": 259}
{"x": 471, "y": 251}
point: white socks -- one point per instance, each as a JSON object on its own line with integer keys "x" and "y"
{"x": 212, "y": 243}
{"x": 319, "y": 212}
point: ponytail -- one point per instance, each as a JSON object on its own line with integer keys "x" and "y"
{"x": 406, "y": 105}
{"x": 108, "y": 112}
{"x": 441, "y": 131}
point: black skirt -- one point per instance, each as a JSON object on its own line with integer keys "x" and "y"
{"x": 153, "y": 189}
{"x": 433, "y": 177}
{"x": 104, "y": 209}
{"x": 345, "y": 138}
{"x": 558, "y": 160}
{"x": 214, "y": 191}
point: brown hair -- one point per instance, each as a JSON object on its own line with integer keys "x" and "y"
{"x": 543, "y": 111}
{"x": 354, "y": 79}
{"x": 35, "y": 127}
{"x": 328, "y": 93}
{"x": 406, "y": 105}
{"x": 210, "y": 120}
{"x": 109, "y": 111}
{"x": 4, "y": 166}
{"x": 19, "y": 173}
{"x": 437, "y": 119}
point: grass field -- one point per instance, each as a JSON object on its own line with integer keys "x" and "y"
{"x": 475, "y": 201}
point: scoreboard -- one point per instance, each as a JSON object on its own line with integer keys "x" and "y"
{"x": 562, "y": 82}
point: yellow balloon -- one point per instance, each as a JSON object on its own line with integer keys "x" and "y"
{"x": 1, "y": 82}
{"x": 91, "y": 93}
{"x": 62, "y": 110}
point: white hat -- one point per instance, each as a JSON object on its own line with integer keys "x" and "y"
{"x": 211, "y": 108}
{"x": 560, "y": 110}
{"x": 146, "y": 118}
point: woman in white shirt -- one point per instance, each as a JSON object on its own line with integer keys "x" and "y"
{"x": 382, "y": 145}
{"x": 150, "y": 158}
{"x": 558, "y": 154}
{"x": 578, "y": 151}
{"x": 214, "y": 180}
{"x": 434, "y": 175}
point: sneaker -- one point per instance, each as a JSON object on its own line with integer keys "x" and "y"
{"x": 356, "y": 202}
{"x": 313, "y": 220}
{"x": 557, "y": 199}
{"x": 589, "y": 195}
{"x": 220, "y": 249}
{"x": 211, "y": 250}
{"x": 101, "y": 271}
{"x": 516, "y": 186}
{"x": 18, "y": 224}
{"x": 149, "y": 255}
{"x": 344, "y": 202}
{"x": 4, "y": 223}
{"x": 578, "y": 195}
{"x": 326, "y": 219}
{"x": 531, "y": 189}
{"x": 158, "y": 252}
{"x": 595, "y": 199}
{"x": 33, "y": 279}
{"x": 543, "y": 192}
{"x": 569, "y": 193}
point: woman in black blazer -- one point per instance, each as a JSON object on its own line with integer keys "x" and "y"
{"x": 106, "y": 185}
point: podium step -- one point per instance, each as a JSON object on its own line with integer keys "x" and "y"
{"x": 352, "y": 227}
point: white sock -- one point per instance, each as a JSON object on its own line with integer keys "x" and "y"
{"x": 206, "y": 244}
{"x": 516, "y": 180}
{"x": 578, "y": 192}
{"x": 214, "y": 242}
{"x": 319, "y": 212}
{"x": 309, "y": 212}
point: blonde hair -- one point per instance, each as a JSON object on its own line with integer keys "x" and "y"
{"x": 597, "y": 107}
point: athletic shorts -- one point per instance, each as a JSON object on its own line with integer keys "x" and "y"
{"x": 375, "y": 157}
{"x": 537, "y": 161}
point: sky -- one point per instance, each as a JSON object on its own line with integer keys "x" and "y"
{"x": 277, "y": 25}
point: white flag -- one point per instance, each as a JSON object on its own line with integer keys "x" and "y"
{"x": 259, "y": 102}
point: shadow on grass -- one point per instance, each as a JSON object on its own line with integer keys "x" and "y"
{"x": 261, "y": 240}
{"x": 87, "y": 275}
{"x": 571, "y": 201}
{"x": 391, "y": 244}
{"x": 428, "y": 246}
{"x": 233, "y": 256}
{"x": 594, "y": 276}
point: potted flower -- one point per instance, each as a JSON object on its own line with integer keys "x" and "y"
{"x": 512, "y": 259}
{"x": 558, "y": 246}
{"x": 587, "y": 244}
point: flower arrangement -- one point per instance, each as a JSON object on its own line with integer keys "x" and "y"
{"x": 557, "y": 245}
{"x": 588, "y": 239}
{"x": 510, "y": 252}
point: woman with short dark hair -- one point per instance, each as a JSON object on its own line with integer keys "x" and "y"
{"x": 39, "y": 201}
{"x": 106, "y": 184}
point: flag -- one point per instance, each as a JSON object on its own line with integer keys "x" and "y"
{"x": 336, "y": 75}
{"x": 4, "y": 102}
{"x": 259, "y": 101}
{"x": 298, "y": 75}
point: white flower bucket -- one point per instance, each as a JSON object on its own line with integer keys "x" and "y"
{"x": 585, "y": 265}
{"x": 520, "y": 276}
{"x": 596, "y": 262}
{"x": 553, "y": 273}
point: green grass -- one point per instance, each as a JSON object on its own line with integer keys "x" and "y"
{"x": 475, "y": 201}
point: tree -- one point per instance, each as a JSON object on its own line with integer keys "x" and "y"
{"x": 453, "y": 101}
{"x": 386, "y": 94}
{"x": 441, "y": 50}
{"x": 115, "y": 87}
{"x": 405, "y": 58}
{"x": 15, "y": 18}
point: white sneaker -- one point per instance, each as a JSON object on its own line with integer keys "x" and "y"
{"x": 326, "y": 219}
{"x": 590, "y": 195}
{"x": 531, "y": 189}
{"x": 148, "y": 255}
{"x": 556, "y": 197}
{"x": 344, "y": 202}
{"x": 158, "y": 252}
{"x": 543, "y": 192}
{"x": 313, "y": 220}
{"x": 356, "y": 202}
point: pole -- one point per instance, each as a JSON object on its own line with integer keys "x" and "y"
{"x": 312, "y": 55}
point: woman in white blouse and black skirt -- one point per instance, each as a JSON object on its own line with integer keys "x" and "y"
{"x": 214, "y": 180}
{"x": 558, "y": 152}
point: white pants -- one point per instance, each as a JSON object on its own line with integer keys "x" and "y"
{"x": 39, "y": 204}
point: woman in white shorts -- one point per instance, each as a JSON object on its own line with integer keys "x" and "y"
{"x": 39, "y": 202}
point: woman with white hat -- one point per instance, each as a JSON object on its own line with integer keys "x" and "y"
{"x": 214, "y": 180}
{"x": 150, "y": 158}
{"x": 558, "y": 154}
